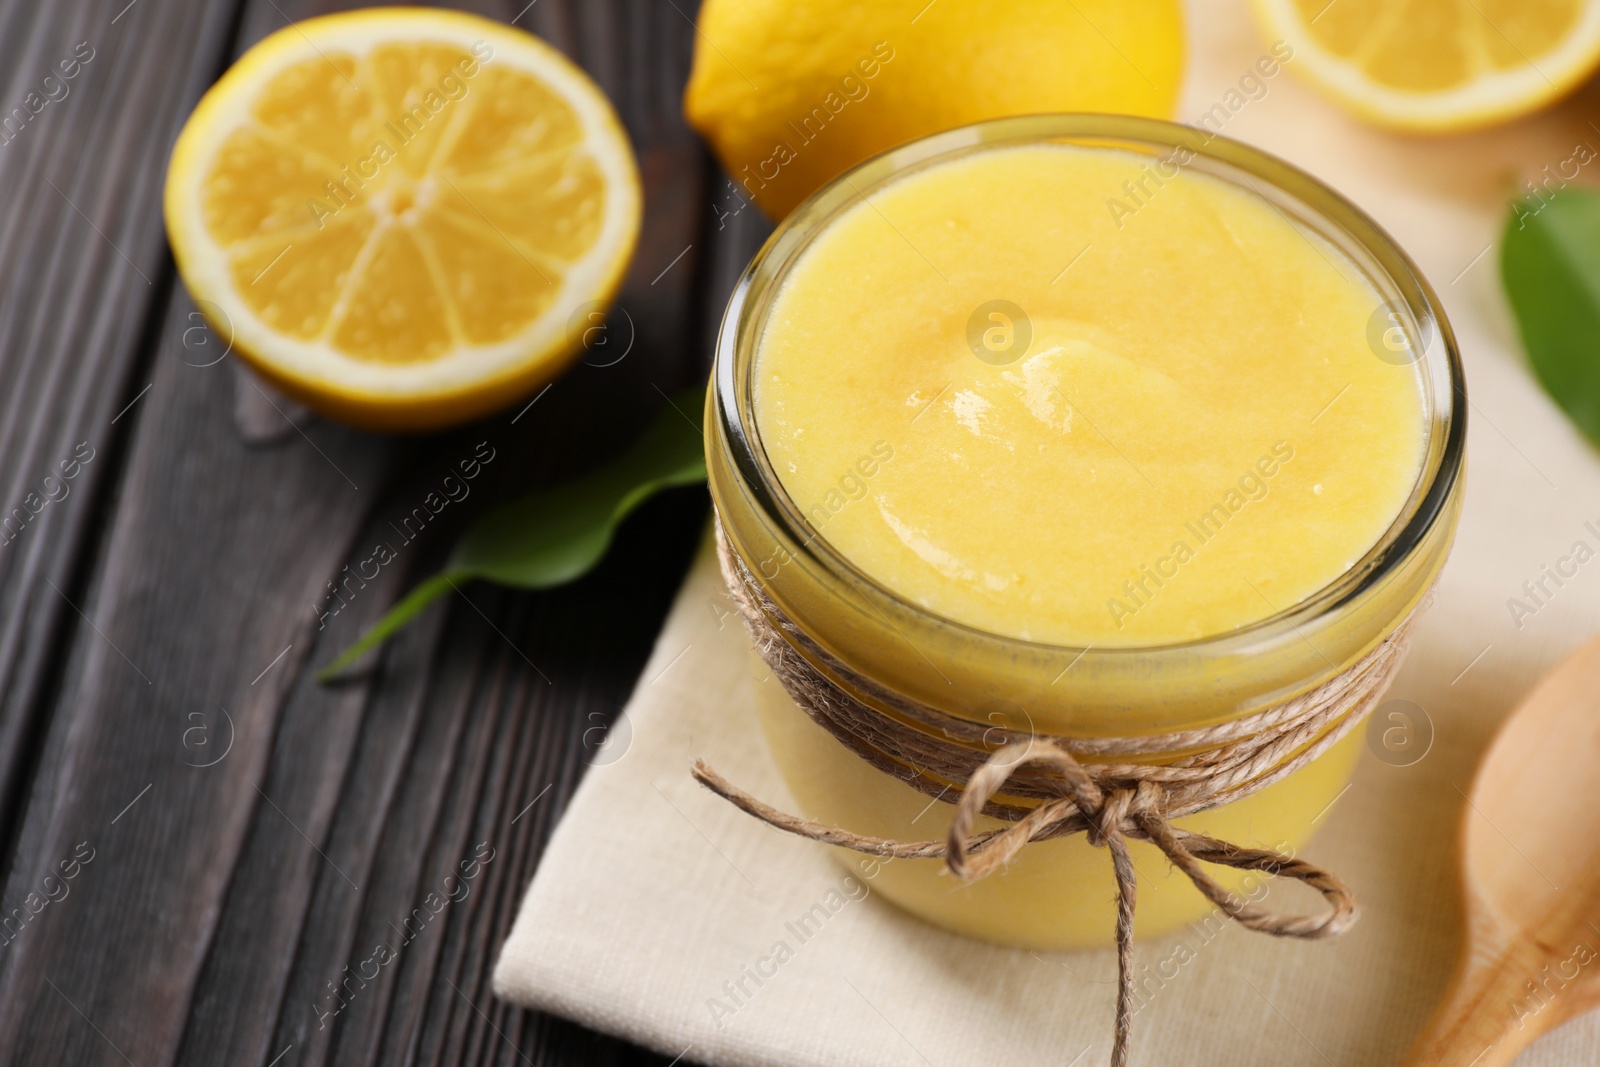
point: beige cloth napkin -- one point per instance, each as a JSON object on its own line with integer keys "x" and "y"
{"x": 654, "y": 893}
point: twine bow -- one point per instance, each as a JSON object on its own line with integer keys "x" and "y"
{"x": 1108, "y": 817}
{"x": 1110, "y": 803}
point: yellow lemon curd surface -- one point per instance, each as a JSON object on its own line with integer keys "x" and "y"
{"x": 1196, "y": 437}
{"x": 1038, "y": 392}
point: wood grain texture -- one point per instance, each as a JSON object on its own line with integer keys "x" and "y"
{"x": 1530, "y": 906}
{"x": 254, "y": 835}
{"x": 84, "y": 274}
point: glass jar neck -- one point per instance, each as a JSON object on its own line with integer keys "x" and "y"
{"x": 1087, "y": 691}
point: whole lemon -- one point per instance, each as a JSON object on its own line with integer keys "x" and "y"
{"x": 791, "y": 93}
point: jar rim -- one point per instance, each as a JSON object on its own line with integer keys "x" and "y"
{"x": 1294, "y": 192}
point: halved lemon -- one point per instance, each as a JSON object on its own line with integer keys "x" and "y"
{"x": 1439, "y": 65}
{"x": 394, "y": 213}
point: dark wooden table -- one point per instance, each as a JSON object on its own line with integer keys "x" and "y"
{"x": 253, "y": 833}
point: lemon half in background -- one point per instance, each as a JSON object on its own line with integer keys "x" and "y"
{"x": 791, "y": 93}
{"x": 1439, "y": 65}
{"x": 397, "y": 210}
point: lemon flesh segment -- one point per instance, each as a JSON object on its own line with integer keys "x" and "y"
{"x": 1439, "y": 64}
{"x": 397, "y": 210}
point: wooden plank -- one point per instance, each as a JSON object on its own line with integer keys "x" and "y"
{"x": 213, "y": 557}
{"x": 83, "y": 270}
{"x": 226, "y": 898}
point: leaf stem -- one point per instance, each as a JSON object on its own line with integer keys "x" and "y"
{"x": 398, "y": 616}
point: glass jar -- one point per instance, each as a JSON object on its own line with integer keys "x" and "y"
{"x": 1060, "y": 893}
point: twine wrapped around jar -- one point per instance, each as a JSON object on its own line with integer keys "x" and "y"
{"x": 1109, "y": 802}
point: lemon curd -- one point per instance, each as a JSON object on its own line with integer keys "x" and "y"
{"x": 1175, "y": 428}
{"x": 1035, "y": 426}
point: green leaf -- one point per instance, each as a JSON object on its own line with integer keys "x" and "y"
{"x": 1550, "y": 264}
{"x": 558, "y": 534}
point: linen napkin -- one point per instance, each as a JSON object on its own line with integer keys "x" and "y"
{"x": 656, "y": 901}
